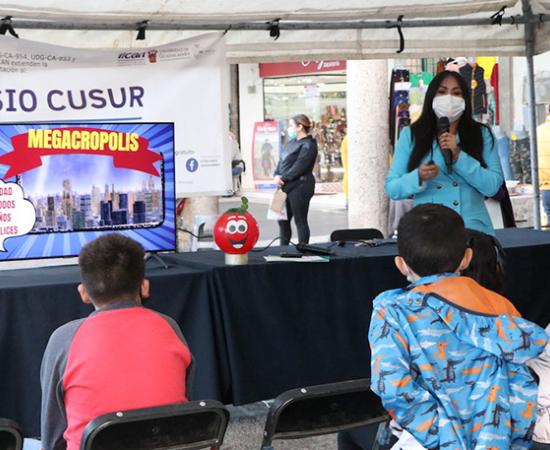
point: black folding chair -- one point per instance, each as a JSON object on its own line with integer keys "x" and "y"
{"x": 356, "y": 234}
{"x": 11, "y": 435}
{"x": 182, "y": 426}
{"x": 324, "y": 409}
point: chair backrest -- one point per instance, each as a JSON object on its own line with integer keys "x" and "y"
{"x": 323, "y": 409}
{"x": 11, "y": 436}
{"x": 356, "y": 234}
{"x": 182, "y": 426}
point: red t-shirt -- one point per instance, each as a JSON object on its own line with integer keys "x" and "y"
{"x": 121, "y": 357}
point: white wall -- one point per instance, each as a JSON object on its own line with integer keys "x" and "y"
{"x": 542, "y": 63}
{"x": 251, "y": 109}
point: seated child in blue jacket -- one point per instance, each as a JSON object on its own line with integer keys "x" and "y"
{"x": 448, "y": 356}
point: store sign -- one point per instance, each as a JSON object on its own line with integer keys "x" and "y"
{"x": 286, "y": 69}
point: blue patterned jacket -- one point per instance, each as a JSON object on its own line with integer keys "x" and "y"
{"x": 448, "y": 361}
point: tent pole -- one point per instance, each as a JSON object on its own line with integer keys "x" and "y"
{"x": 529, "y": 52}
{"x": 283, "y": 25}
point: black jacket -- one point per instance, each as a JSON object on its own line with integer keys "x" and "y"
{"x": 297, "y": 159}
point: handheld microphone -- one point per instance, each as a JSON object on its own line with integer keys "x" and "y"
{"x": 443, "y": 126}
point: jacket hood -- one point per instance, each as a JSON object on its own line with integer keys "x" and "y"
{"x": 482, "y": 318}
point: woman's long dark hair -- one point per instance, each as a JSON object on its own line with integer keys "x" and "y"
{"x": 424, "y": 130}
{"x": 488, "y": 263}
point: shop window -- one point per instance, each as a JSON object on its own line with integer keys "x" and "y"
{"x": 323, "y": 99}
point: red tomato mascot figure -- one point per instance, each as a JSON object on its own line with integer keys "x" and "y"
{"x": 236, "y": 232}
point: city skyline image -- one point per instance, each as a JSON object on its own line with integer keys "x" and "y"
{"x": 83, "y": 192}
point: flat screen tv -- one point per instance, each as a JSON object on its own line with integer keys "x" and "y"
{"x": 84, "y": 180}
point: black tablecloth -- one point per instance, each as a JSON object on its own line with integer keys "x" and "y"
{"x": 254, "y": 330}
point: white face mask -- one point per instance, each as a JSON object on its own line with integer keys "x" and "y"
{"x": 449, "y": 106}
{"x": 411, "y": 276}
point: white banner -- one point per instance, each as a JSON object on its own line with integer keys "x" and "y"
{"x": 185, "y": 82}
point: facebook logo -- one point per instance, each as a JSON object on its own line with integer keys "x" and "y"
{"x": 192, "y": 164}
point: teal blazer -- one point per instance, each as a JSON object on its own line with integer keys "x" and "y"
{"x": 463, "y": 191}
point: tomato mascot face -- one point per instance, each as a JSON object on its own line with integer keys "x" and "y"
{"x": 236, "y": 231}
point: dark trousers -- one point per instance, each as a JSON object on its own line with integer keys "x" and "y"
{"x": 539, "y": 446}
{"x": 297, "y": 206}
{"x": 362, "y": 438}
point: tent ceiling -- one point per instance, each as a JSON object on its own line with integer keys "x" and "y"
{"x": 255, "y": 46}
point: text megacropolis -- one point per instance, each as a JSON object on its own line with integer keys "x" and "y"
{"x": 68, "y": 139}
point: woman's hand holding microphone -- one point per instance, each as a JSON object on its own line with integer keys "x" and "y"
{"x": 448, "y": 141}
{"x": 428, "y": 171}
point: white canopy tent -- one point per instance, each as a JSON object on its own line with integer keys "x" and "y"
{"x": 348, "y": 29}
{"x": 309, "y": 29}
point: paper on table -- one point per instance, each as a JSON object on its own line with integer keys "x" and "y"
{"x": 303, "y": 259}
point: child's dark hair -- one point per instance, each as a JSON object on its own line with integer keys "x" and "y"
{"x": 112, "y": 267}
{"x": 432, "y": 239}
{"x": 487, "y": 266}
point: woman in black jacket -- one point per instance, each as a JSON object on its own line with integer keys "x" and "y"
{"x": 294, "y": 176}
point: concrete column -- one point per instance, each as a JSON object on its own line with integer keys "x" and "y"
{"x": 194, "y": 206}
{"x": 506, "y": 93}
{"x": 368, "y": 143}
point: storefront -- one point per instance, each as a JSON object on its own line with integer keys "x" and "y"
{"x": 314, "y": 88}
{"x": 274, "y": 92}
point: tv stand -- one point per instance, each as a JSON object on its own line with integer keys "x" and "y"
{"x": 157, "y": 258}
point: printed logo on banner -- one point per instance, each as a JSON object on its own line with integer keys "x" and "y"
{"x": 192, "y": 165}
{"x": 154, "y": 55}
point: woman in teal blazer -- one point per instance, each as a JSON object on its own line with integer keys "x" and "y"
{"x": 419, "y": 170}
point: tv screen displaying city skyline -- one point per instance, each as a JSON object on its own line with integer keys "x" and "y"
{"x": 84, "y": 180}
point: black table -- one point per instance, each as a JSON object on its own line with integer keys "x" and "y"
{"x": 254, "y": 330}
{"x": 34, "y": 302}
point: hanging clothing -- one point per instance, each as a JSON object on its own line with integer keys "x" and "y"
{"x": 487, "y": 62}
{"x": 475, "y": 77}
{"x": 397, "y": 97}
{"x": 520, "y": 157}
